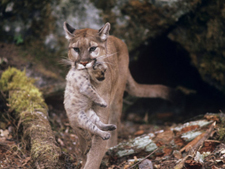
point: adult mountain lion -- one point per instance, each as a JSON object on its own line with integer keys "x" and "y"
{"x": 87, "y": 45}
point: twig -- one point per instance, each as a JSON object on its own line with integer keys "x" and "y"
{"x": 143, "y": 159}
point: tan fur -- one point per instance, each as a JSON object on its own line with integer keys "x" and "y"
{"x": 117, "y": 80}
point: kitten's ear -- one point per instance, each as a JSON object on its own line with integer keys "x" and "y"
{"x": 69, "y": 30}
{"x": 104, "y": 31}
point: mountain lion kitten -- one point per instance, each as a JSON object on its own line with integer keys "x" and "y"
{"x": 79, "y": 97}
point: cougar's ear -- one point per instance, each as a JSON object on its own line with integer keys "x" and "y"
{"x": 104, "y": 31}
{"x": 69, "y": 30}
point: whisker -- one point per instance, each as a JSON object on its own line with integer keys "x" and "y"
{"x": 66, "y": 61}
{"x": 104, "y": 56}
{"x": 110, "y": 63}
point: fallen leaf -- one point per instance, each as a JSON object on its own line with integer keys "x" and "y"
{"x": 179, "y": 142}
{"x": 167, "y": 151}
{"x": 165, "y": 136}
{"x": 177, "y": 154}
{"x": 212, "y": 117}
{"x": 209, "y": 146}
{"x": 189, "y": 128}
{"x": 140, "y": 132}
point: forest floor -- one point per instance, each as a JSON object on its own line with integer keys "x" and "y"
{"x": 172, "y": 146}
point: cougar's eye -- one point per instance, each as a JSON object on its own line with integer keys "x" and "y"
{"x": 76, "y": 50}
{"x": 92, "y": 48}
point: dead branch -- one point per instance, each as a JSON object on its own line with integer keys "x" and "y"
{"x": 194, "y": 146}
{"x": 198, "y": 141}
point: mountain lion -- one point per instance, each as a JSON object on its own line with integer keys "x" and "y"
{"x": 87, "y": 45}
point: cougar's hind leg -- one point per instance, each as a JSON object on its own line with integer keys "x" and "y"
{"x": 115, "y": 116}
{"x": 80, "y": 147}
{"x": 88, "y": 138}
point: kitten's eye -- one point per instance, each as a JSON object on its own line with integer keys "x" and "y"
{"x": 76, "y": 50}
{"x": 92, "y": 48}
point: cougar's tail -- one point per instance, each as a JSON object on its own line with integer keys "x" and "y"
{"x": 151, "y": 91}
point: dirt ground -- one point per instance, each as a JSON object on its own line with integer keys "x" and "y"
{"x": 171, "y": 144}
{"x": 14, "y": 155}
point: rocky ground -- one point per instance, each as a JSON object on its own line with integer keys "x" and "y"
{"x": 188, "y": 145}
{"x": 169, "y": 134}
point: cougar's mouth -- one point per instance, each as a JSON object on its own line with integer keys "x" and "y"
{"x": 100, "y": 78}
{"x": 85, "y": 64}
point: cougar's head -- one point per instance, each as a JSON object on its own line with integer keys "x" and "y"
{"x": 86, "y": 45}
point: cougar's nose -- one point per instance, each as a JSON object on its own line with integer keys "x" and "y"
{"x": 84, "y": 63}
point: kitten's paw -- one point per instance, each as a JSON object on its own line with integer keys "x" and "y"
{"x": 99, "y": 70}
{"x": 101, "y": 66}
{"x": 111, "y": 127}
{"x": 100, "y": 76}
{"x": 106, "y": 136}
{"x": 102, "y": 104}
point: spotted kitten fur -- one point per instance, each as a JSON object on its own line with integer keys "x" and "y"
{"x": 78, "y": 99}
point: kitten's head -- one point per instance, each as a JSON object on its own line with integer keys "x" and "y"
{"x": 86, "y": 45}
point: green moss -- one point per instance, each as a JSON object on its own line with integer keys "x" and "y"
{"x": 27, "y": 101}
{"x": 24, "y": 97}
{"x": 43, "y": 149}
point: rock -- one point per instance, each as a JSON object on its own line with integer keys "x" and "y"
{"x": 146, "y": 164}
{"x": 142, "y": 20}
{"x": 202, "y": 34}
{"x": 136, "y": 145}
